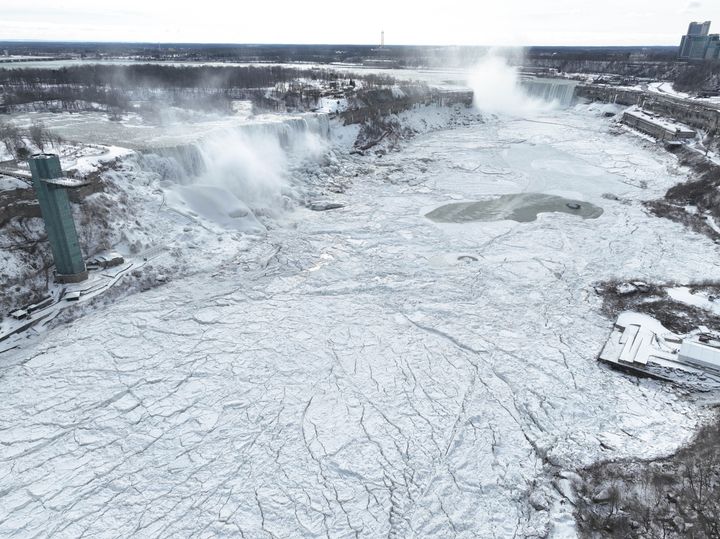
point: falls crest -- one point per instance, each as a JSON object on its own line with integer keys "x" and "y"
{"x": 557, "y": 91}
{"x": 234, "y": 176}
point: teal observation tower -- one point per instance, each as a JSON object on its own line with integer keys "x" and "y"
{"x": 51, "y": 188}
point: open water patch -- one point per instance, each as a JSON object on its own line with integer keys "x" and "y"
{"x": 520, "y": 207}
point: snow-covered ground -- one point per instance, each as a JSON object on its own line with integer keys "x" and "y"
{"x": 363, "y": 371}
{"x": 683, "y": 294}
{"x": 666, "y": 88}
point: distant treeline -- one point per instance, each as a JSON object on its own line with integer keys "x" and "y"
{"x": 402, "y": 55}
{"x": 603, "y": 54}
{"x": 116, "y": 86}
{"x": 69, "y": 98}
{"x": 169, "y": 76}
{"x": 162, "y": 76}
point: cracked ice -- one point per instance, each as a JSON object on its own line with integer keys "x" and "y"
{"x": 365, "y": 382}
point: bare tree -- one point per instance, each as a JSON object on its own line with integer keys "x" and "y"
{"x": 38, "y": 135}
{"x": 11, "y": 139}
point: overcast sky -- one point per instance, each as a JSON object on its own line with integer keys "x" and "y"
{"x": 422, "y": 22}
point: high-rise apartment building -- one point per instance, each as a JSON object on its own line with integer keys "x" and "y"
{"x": 699, "y": 44}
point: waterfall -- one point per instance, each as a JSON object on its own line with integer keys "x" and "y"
{"x": 559, "y": 91}
{"x": 184, "y": 163}
{"x": 499, "y": 89}
{"x": 233, "y": 175}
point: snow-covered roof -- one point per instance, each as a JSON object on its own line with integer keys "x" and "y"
{"x": 700, "y": 354}
{"x": 663, "y": 123}
{"x": 637, "y": 339}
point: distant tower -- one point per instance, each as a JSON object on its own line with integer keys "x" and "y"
{"x": 51, "y": 188}
{"x": 382, "y": 39}
{"x": 698, "y": 44}
{"x": 699, "y": 28}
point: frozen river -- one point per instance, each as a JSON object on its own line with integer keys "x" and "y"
{"x": 375, "y": 373}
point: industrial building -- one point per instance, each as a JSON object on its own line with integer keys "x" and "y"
{"x": 51, "y": 189}
{"x": 699, "y": 44}
{"x": 702, "y": 352}
{"x": 657, "y": 127}
{"x": 641, "y": 344}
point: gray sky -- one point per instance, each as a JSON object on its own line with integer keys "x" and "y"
{"x": 446, "y": 22}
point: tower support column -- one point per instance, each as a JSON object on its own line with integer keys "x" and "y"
{"x": 51, "y": 189}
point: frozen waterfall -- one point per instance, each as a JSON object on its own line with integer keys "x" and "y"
{"x": 232, "y": 175}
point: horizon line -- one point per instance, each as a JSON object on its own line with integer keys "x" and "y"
{"x": 387, "y": 46}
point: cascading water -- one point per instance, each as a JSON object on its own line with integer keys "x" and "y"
{"x": 558, "y": 91}
{"x": 175, "y": 164}
{"x": 234, "y": 175}
{"x": 499, "y": 89}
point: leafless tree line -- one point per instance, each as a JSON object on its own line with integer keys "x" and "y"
{"x": 114, "y": 88}
{"x": 678, "y": 496}
{"x": 19, "y": 142}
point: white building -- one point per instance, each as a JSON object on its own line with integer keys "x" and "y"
{"x": 702, "y": 351}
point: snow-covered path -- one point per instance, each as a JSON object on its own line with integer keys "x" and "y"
{"x": 374, "y": 374}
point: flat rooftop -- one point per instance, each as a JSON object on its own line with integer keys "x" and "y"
{"x": 670, "y": 126}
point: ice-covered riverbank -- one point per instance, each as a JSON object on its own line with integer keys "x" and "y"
{"x": 364, "y": 371}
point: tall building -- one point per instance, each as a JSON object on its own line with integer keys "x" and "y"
{"x": 713, "y": 50}
{"x": 699, "y": 28}
{"x": 51, "y": 189}
{"x": 698, "y": 44}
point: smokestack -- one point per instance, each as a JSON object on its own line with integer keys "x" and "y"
{"x": 382, "y": 39}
